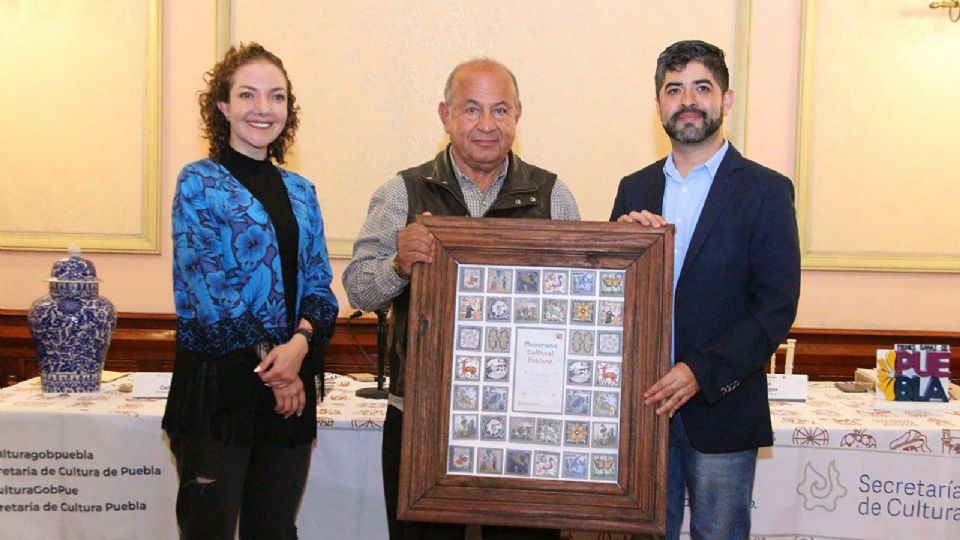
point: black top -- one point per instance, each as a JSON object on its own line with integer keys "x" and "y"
{"x": 263, "y": 180}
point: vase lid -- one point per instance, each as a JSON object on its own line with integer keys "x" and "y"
{"x": 73, "y": 269}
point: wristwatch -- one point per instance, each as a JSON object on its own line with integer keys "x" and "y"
{"x": 305, "y": 333}
{"x": 395, "y": 266}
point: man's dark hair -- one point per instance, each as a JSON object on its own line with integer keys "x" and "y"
{"x": 677, "y": 56}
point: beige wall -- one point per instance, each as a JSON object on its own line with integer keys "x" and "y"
{"x": 42, "y": 30}
{"x": 845, "y": 299}
{"x": 81, "y": 161}
{"x": 571, "y": 123}
{"x": 139, "y": 283}
{"x": 374, "y": 80}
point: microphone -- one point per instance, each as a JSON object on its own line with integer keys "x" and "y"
{"x": 379, "y": 392}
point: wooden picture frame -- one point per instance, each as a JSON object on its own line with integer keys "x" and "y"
{"x": 635, "y": 501}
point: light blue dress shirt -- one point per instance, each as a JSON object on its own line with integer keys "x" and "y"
{"x": 683, "y": 200}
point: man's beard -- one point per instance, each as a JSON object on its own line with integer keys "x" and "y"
{"x": 690, "y": 134}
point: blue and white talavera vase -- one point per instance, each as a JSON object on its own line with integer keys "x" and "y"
{"x": 72, "y": 327}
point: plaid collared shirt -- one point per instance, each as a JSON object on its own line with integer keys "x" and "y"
{"x": 368, "y": 279}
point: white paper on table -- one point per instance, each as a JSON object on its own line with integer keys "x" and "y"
{"x": 782, "y": 387}
{"x": 151, "y": 385}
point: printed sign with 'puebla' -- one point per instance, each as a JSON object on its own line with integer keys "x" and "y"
{"x": 914, "y": 373}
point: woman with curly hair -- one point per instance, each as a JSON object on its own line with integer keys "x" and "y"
{"x": 251, "y": 282}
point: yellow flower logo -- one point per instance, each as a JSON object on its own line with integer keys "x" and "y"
{"x": 886, "y": 373}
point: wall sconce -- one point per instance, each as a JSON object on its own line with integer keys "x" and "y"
{"x": 950, "y": 5}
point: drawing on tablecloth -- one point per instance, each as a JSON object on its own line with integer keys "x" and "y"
{"x": 814, "y": 436}
{"x": 951, "y": 441}
{"x": 821, "y": 490}
{"x": 911, "y": 441}
{"x": 858, "y": 438}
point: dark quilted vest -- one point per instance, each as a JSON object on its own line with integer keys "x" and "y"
{"x": 433, "y": 187}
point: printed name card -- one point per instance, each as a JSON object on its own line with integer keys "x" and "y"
{"x": 786, "y": 387}
{"x": 150, "y": 385}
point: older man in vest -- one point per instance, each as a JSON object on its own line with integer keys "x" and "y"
{"x": 477, "y": 175}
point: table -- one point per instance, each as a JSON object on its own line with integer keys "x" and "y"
{"x": 839, "y": 469}
{"x": 98, "y": 466}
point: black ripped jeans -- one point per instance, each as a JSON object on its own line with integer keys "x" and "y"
{"x": 263, "y": 484}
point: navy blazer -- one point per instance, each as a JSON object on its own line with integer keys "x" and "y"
{"x": 736, "y": 297}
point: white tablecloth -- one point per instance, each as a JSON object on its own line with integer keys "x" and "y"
{"x": 839, "y": 469}
{"x": 98, "y": 467}
{"x": 842, "y": 469}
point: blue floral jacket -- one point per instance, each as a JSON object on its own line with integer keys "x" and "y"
{"x": 227, "y": 281}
